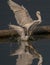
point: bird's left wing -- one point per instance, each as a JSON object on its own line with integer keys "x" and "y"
{"x": 21, "y": 14}
{"x": 19, "y": 29}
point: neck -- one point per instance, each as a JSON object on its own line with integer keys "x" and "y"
{"x": 39, "y": 18}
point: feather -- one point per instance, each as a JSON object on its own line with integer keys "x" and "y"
{"x": 24, "y": 19}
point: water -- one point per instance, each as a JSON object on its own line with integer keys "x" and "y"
{"x": 7, "y": 48}
{"x": 6, "y": 16}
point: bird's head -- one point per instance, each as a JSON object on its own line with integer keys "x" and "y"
{"x": 39, "y": 17}
{"x": 38, "y": 12}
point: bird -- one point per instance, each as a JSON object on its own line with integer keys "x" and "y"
{"x": 26, "y": 25}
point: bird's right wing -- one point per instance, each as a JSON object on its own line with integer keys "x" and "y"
{"x": 19, "y": 29}
{"x": 21, "y": 14}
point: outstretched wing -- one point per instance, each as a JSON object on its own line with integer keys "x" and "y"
{"x": 19, "y": 29}
{"x": 21, "y": 14}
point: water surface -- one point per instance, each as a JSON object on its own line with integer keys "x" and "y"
{"x": 6, "y": 48}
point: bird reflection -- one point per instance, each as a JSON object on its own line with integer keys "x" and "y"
{"x": 26, "y": 54}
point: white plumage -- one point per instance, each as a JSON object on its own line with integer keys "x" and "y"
{"x": 26, "y": 23}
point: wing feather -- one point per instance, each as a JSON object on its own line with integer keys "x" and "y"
{"x": 21, "y": 14}
{"x": 19, "y": 29}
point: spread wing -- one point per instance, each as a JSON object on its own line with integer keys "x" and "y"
{"x": 19, "y": 29}
{"x": 21, "y": 14}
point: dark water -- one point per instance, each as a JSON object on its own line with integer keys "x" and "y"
{"x": 6, "y": 48}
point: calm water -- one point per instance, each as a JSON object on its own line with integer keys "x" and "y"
{"x": 6, "y": 48}
{"x": 7, "y": 16}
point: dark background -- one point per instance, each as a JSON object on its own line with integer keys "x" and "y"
{"x": 7, "y": 16}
